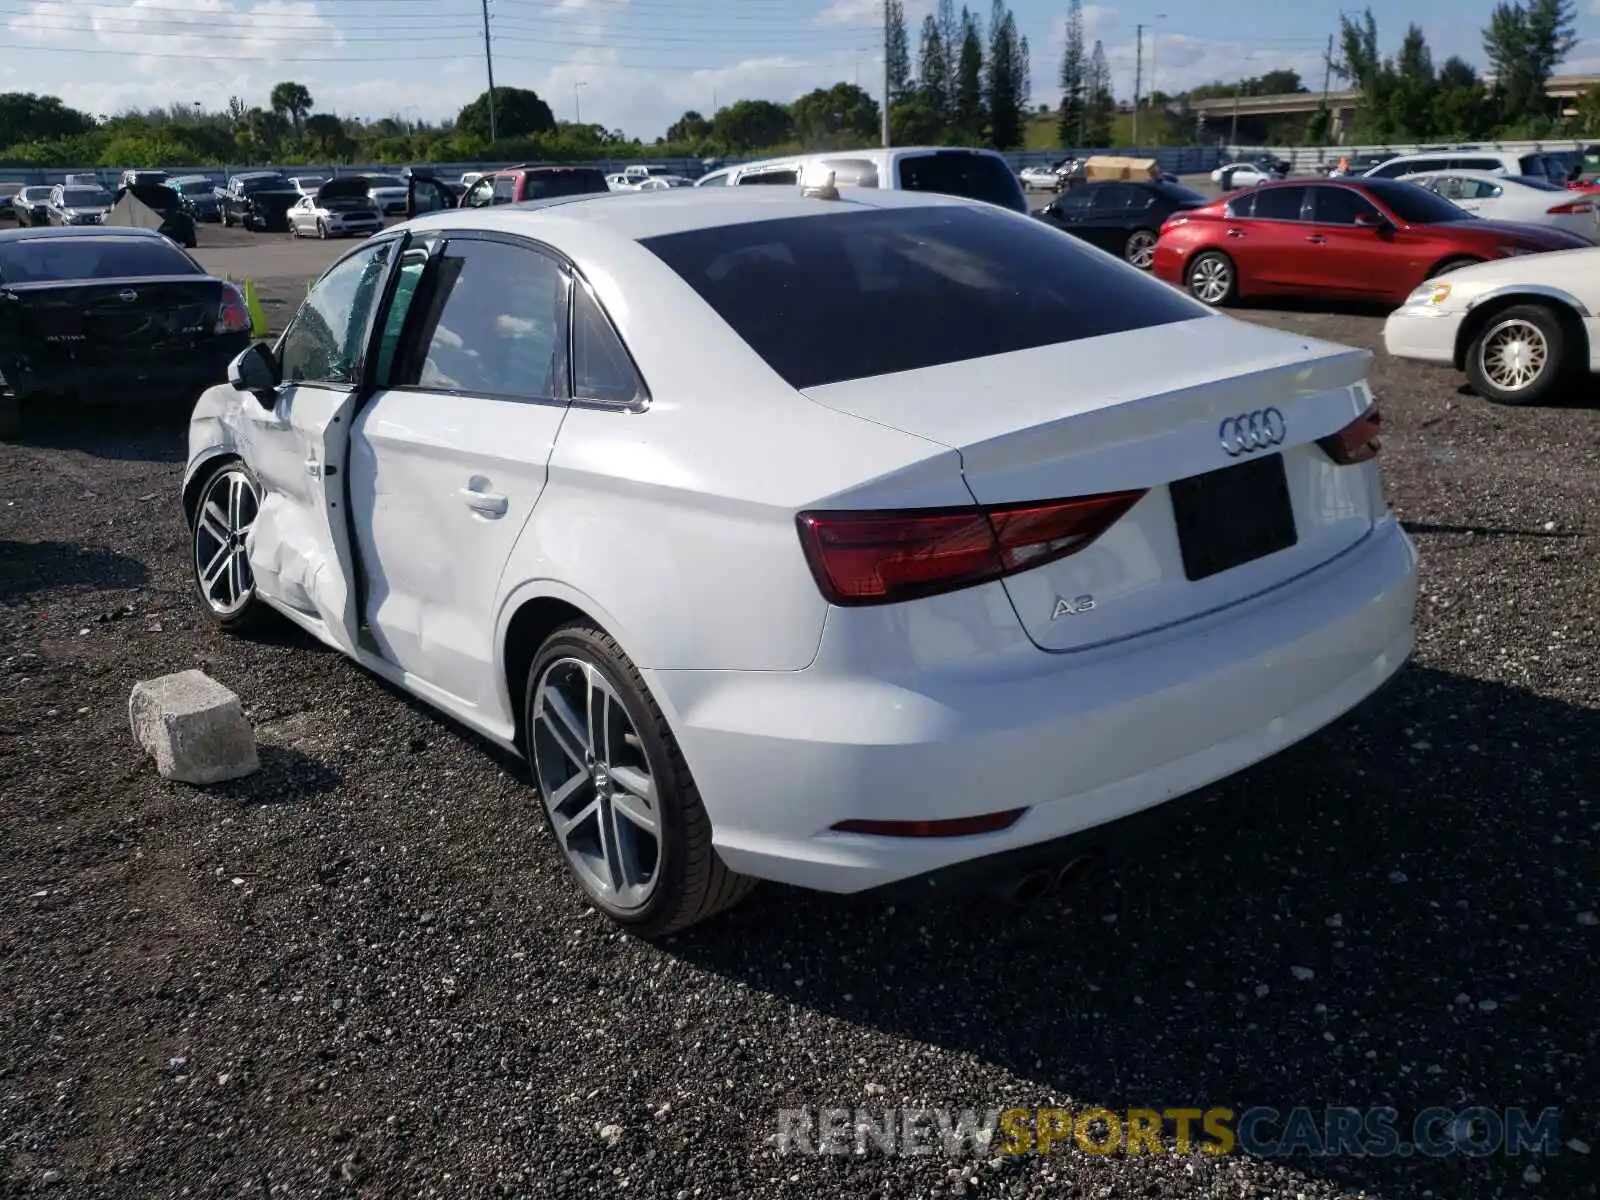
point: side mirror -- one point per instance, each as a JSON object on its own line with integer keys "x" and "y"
{"x": 255, "y": 370}
{"x": 1370, "y": 220}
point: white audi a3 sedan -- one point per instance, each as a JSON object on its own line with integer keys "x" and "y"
{"x": 742, "y": 515}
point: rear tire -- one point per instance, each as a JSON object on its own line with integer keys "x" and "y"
{"x": 322, "y": 229}
{"x": 1140, "y": 249}
{"x": 227, "y": 220}
{"x": 1212, "y": 279}
{"x": 590, "y": 776}
{"x": 1519, "y": 356}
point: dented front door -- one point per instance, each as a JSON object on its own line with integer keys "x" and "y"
{"x": 296, "y": 442}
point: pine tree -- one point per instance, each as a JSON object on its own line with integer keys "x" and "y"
{"x": 897, "y": 52}
{"x": 950, "y": 32}
{"x": 1072, "y": 129}
{"x": 1099, "y": 102}
{"x": 933, "y": 74}
{"x": 967, "y": 116}
{"x": 1005, "y": 78}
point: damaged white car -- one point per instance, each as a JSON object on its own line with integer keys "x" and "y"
{"x": 741, "y": 515}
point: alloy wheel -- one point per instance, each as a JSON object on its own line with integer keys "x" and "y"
{"x": 1210, "y": 280}
{"x": 596, "y": 782}
{"x": 1513, "y": 355}
{"x": 222, "y": 522}
{"x": 1141, "y": 249}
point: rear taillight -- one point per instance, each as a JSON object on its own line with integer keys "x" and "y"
{"x": 1357, "y": 442}
{"x": 1571, "y": 208}
{"x": 884, "y": 557}
{"x": 232, "y": 315}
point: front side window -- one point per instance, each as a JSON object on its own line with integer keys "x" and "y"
{"x": 856, "y": 294}
{"x": 1076, "y": 201}
{"x": 1279, "y": 203}
{"x": 493, "y": 323}
{"x": 1339, "y": 206}
{"x": 1115, "y": 197}
{"x": 323, "y": 342}
{"x": 84, "y": 198}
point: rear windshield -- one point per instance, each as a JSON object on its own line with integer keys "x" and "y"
{"x": 1179, "y": 193}
{"x": 84, "y": 197}
{"x": 266, "y": 183}
{"x": 828, "y": 298}
{"x": 49, "y": 260}
{"x": 975, "y": 176}
{"x": 1414, "y": 205}
{"x": 542, "y": 185}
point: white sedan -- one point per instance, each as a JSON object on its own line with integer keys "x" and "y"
{"x": 1040, "y": 178}
{"x": 1242, "y": 175}
{"x": 707, "y": 506}
{"x": 1520, "y": 327}
{"x": 338, "y": 208}
{"x": 1521, "y": 198}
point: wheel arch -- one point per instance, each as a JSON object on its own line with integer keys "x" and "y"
{"x": 199, "y": 471}
{"x": 1569, "y": 311}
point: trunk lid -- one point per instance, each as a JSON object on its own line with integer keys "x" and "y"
{"x": 1144, "y": 410}
{"x": 49, "y": 329}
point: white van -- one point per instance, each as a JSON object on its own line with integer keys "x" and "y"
{"x": 1499, "y": 162}
{"x": 950, "y": 170}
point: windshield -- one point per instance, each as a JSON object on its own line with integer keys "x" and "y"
{"x": 85, "y": 198}
{"x": 51, "y": 260}
{"x": 381, "y": 181}
{"x": 1414, "y": 205}
{"x": 544, "y": 185}
{"x": 266, "y": 183}
{"x": 955, "y": 173}
{"x": 865, "y": 293}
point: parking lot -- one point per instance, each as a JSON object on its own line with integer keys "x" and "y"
{"x": 364, "y": 970}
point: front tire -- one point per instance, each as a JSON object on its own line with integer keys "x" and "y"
{"x": 227, "y": 220}
{"x": 228, "y": 503}
{"x": 615, "y": 790}
{"x": 1519, "y": 356}
{"x": 1140, "y": 249}
{"x": 322, "y": 229}
{"x": 1212, "y": 279}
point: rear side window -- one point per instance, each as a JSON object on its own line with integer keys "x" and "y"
{"x": 848, "y": 296}
{"x": 49, "y": 260}
{"x": 542, "y": 185}
{"x": 852, "y": 172}
{"x": 1534, "y": 164}
{"x": 954, "y": 173}
{"x": 505, "y": 189}
{"x": 601, "y": 368}
{"x": 1117, "y": 197}
{"x": 1339, "y": 206}
{"x": 1279, "y": 203}
{"x": 786, "y": 175}
{"x": 1241, "y": 208}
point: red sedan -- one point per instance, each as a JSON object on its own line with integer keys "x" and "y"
{"x": 1365, "y": 239}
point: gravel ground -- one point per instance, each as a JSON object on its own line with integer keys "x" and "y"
{"x": 363, "y": 970}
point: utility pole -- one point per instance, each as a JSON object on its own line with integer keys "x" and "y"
{"x": 1138, "y": 78}
{"x": 1233, "y": 137}
{"x": 488, "y": 62}
{"x": 886, "y": 35}
{"x": 1327, "y": 90}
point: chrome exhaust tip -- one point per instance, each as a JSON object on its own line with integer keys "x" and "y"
{"x": 1030, "y": 888}
{"x": 1075, "y": 872}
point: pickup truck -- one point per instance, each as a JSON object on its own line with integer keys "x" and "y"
{"x": 258, "y": 200}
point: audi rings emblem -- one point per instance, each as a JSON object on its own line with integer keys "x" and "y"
{"x": 1249, "y": 432}
{"x": 127, "y": 295}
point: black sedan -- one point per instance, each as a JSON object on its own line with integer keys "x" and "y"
{"x": 198, "y": 194}
{"x": 106, "y": 314}
{"x": 1122, "y": 217}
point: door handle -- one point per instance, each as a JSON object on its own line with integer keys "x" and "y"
{"x": 1235, "y": 233}
{"x": 1316, "y": 239}
{"x": 488, "y": 504}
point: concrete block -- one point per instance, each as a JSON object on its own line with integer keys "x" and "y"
{"x": 193, "y": 727}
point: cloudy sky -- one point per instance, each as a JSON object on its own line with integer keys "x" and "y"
{"x": 629, "y": 64}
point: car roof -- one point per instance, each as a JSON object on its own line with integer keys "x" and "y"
{"x": 1464, "y": 173}
{"x": 99, "y": 231}
{"x": 636, "y": 216}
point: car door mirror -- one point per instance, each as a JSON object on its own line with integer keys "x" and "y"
{"x": 1371, "y": 220}
{"x": 255, "y": 370}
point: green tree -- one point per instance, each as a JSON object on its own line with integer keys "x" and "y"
{"x": 1414, "y": 89}
{"x": 1524, "y": 42}
{"x": 518, "y": 113}
{"x": 26, "y": 117}
{"x": 950, "y": 33}
{"x": 1278, "y": 83}
{"x": 292, "y": 101}
{"x": 1587, "y": 122}
{"x": 1101, "y": 104}
{"x": 689, "y": 128}
{"x": 933, "y": 75}
{"x": 1461, "y": 108}
{"x": 897, "y": 52}
{"x": 828, "y": 118}
{"x": 1073, "y": 127}
{"x": 752, "y": 125}
{"x": 916, "y": 121}
{"x": 967, "y": 117}
{"x": 1005, "y": 78}
{"x": 326, "y": 134}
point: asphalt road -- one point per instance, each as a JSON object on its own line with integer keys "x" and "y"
{"x": 364, "y": 971}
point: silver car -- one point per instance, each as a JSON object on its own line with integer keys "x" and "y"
{"x": 339, "y": 208}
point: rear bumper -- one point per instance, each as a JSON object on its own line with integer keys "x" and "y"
{"x": 179, "y": 377}
{"x": 1425, "y": 334}
{"x": 1080, "y": 740}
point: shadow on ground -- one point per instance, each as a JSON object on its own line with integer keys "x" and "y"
{"x": 1384, "y": 855}
{"x": 145, "y": 432}
{"x": 29, "y": 567}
